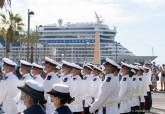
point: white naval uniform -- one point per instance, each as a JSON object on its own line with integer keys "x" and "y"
{"x": 20, "y": 104}
{"x": 66, "y": 79}
{"x": 132, "y": 91}
{"x": 141, "y": 89}
{"x": 8, "y": 93}
{"x": 86, "y": 88}
{"x": 77, "y": 93}
{"x": 124, "y": 94}
{"x": 38, "y": 78}
{"x": 147, "y": 78}
{"x": 96, "y": 84}
{"x": 26, "y": 77}
{"x": 51, "y": 78}
{"x": 135, "y": 87}
{"x": 108, "y": 96}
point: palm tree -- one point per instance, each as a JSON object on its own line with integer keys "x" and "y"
{"x": 13, "y": 24}
{"x": 2, "y": 3}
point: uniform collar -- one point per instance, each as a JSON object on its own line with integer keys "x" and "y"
{"x": 125, "y": 76}
{"x": 38, "y": 75}
{"x": 87, "y": 76}
{"x": 27, "y": 74}
{"x": 52, "y": 72}
{"x": 8, "y": 74}
{"x": 75, "y": 77}
{"x": 109, "y": 75}
{"x": 96, "y": 77}
{"x": 68, "y": 75}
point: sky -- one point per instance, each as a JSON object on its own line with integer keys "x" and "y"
{"x": 140, "y": 23}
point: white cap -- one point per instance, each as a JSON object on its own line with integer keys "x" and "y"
{"x": 126, "y": 65}
{"x": 86, "y": 65}
{"x": 110, "y": 61}
{"x": 138, "y": 64}
{"x": 76, "y": 66}
{"x": 141, "y": 68}
{"x": 146, "y": 67}
{"x": 62, "y": 88}
{"x": 97, "y": 68}
{"x": 132, "y": 70}
{"x": 67, "y": 63}
{"x": 134, "y": 66}
{"x": 49, "y": 60}
{"x": 23, "y": 62}
{"x": 9, "y": 62}
{"x": 35, "y": 85}
{"x": 37, "y": 66}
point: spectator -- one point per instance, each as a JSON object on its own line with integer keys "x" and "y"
{"x": 154, "y": 79}
{"x": 162, "y": 78}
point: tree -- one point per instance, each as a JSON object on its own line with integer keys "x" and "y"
{"x": 13, "y": 25}
{"x": 3, "y": 3}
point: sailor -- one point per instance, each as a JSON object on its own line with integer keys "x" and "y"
{"x": 75, "y": 90}
{"x": 117, "y": 72}
{"x": 36, "y": 72}
{"x": 125, "y": 93}
{"x": 135, "y": 103}
{"x": 148, "y": 97}
{"x": 66, "y": 73}
{"x": 60, "y": 95}
{"x": 32, "y": 93}
{"x": 96, "y": 83}
{"x": 25, "y": 68}
{"x": 8, "y": 88}
{"x": 50, "y": 79}
{"x": 107, "y": 99}
{"x": 141, "y": 88}
{"x": 87, "y": 87}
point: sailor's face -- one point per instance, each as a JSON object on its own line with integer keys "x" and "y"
{"x": 86, "y": 71}
{"x": 124, "y": 70}
{"x": 25, "y": 98}
{"x": 108, "y": 69}
{"x": 56, "y": 101}
{"x": 4, "y": 68}
{"x": 66, "y": 70}
{"x": 95, "y": 72}
{"x": 75, "y": 72}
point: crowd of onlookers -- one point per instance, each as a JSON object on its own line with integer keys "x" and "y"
{"x": 158, "y": 76}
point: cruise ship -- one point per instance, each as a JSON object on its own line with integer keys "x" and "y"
{"x": 79, "y": 43}
{"x": 76, "y": 42}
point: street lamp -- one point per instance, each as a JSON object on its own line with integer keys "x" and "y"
{"x": 28, "y": 31}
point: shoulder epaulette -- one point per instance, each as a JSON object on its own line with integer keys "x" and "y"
{"x": 124, "y": 79}
{"x": 65, "y": 79}
{"x": 140, "y": 79}
{"x": 49, "y": 77}
{"x": 94, "y": 79}
{"x": 84, "y": 78}
{"x": 108, "y": 79}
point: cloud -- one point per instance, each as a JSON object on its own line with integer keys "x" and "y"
{"x": 152, "y": 3}
{"x": 114, "y": 12}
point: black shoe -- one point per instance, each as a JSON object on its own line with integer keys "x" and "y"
{"x": 161, "y": 90}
